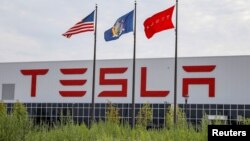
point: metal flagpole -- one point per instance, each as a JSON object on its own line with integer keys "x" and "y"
{"x": 94, "y": 64}
{"x": 175, "y": 65}
{"x": 134, "y": 65}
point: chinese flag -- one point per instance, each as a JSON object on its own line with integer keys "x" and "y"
{"x": 158, "y": 22}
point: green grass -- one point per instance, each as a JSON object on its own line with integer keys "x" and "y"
{"x": 112, "y": 132}
{"x": 16, "y": 126}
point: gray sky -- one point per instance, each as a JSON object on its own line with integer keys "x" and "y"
{"x": 31, "y": 30}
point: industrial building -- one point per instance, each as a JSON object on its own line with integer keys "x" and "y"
{"x": 218, "y": 86}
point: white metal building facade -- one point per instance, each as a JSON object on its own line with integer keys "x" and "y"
{"x": 213, "y": 85}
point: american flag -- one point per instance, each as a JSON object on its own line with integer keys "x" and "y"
{"x": 87, "y": 24}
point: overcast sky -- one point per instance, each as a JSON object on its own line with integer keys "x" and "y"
{"x": 31, "y": 30}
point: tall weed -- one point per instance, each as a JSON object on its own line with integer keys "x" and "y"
{"x": 144, "y": 116}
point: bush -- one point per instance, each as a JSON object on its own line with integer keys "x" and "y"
{"x": 21, "y": 117}
{"x": 181, "y": 121}
{"x": 112, "y": 114}
{"x": 3, "y": 118}
{"x": 3, "y": 111}
{"x": 246, "y": 121}
{"x": 144, "y": 116}
{"x": 16, "y": 125}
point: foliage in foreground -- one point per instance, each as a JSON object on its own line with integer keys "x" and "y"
{"x": 110, "y": 131}
{"x": 112, "y": 114}
{"x": 17, "y": 126}
{"x": 145, "y": 116}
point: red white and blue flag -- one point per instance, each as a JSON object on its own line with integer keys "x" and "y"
{"x": 85, "y": 25}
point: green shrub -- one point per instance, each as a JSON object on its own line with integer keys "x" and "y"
{"x": 3, "y": 118}
{"x": 20, "y": 117}
{"x": 3, "y": 110}
{"x": 16, "y": 125}
{"x": 112, "y": 114}
{"x": 181, "y": 121}
{"x": 246, "y": 121}
{"x": 144, "y": 116}
{"x": 19, "y": 111}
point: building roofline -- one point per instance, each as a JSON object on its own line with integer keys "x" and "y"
{"x": 127, "y": 59}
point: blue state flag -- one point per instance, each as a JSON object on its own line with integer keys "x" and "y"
{"x": 123, "y": 25}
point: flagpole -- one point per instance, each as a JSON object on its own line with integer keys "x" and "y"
{"x": 175, "y": 65}
{"x": 134, "y": 65}
{"x": 94, "y": 65}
